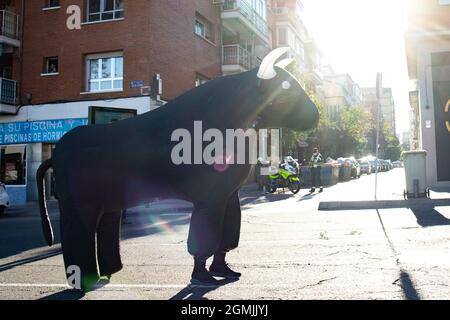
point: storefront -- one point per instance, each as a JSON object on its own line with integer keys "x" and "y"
{"x": 24, "y": 145}
{"x": 433, "y": 75}
{"x": 29, "y": 137}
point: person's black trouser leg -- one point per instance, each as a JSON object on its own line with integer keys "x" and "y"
{"x": 316, "y": 178}
{"x": 319, "y": 178}
{"x": 313, "y": 178}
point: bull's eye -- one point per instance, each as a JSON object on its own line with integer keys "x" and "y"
{"x": 286, "y": 85}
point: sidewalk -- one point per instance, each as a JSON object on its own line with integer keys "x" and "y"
{"x": 391, "y": 186}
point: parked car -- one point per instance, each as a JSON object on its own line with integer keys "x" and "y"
{"x": 387, "y": 165}
{"x": 383, "y": 165}
{"x": 373, "y": 165}
{"x": 397, "y": 164}
{"x": 390, "y": 165}
{"x": 4, "y": 199}
{"x": 366, "y": 168}
{"x": 345, "y": 169}
{"x": 356, "y": 168}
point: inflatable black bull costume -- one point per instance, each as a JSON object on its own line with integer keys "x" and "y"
{"x": 102, "y": 169}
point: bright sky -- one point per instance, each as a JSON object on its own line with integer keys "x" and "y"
{"x": 363, "y": 37}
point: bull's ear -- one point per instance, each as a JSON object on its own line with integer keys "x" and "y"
{"x": 283, "y": 64}
{"x": 267, "y": 70}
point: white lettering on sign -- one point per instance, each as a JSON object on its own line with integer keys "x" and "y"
{"x": 37, "y": 131}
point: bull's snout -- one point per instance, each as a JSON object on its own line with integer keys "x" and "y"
{"x": 309, "y": 118}
{"x": 304, "y": 114}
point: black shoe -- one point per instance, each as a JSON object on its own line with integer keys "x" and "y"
{"x": 321, "y": 190}
{"x": 312, "y": 190}
{"x": 203, "y": 278}
{"x": 222, "y": 270}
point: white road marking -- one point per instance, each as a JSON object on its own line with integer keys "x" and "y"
{"x": 32, "y": 285}
{"x": 145, "y": 286}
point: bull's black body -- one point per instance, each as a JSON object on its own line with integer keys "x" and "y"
{"x": 102, "y": 169}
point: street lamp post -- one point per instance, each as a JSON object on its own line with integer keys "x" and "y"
{"x": 377, "y": 146}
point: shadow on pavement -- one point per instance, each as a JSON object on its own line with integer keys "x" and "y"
{"x": 261, "y": 197}
{"x": 68, "y": 294}
{"x": 198, "y": 292}
{"x": 409, "y": 292}
{"x": 71, "y": 294}
{"x": 308, "y": 196}
{"x": 407, "y": 286}
{"x": 429, "y": 217}
{"x": 22, "y": 232}
{"x": 42, "y": 256}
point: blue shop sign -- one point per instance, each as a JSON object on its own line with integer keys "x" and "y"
{"x": 37, "y": 131}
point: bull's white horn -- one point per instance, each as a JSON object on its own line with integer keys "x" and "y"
{"x": 266, "y": 70}
{"x": 283, "y": 64}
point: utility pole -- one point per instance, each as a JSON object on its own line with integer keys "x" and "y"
{"x": 377, "y": 146}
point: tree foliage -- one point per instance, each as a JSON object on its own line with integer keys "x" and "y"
{"x": 350, "y": 132}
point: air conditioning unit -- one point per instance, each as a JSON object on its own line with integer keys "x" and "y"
{"x": 218, "y": 2}
{"x": 145, "y": 91}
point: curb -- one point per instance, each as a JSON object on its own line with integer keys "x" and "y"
{"x": 381, "y": 204}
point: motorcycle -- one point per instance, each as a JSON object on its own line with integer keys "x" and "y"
{"x": 285, "y": 177}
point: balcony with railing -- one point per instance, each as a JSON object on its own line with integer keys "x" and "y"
{"x": 287, "y": 14}
{"x": 8, "y": 96}
{"x": 284, "y": 13}
{"x": 242, "y": 10}
{"x": 9, "y": 28}
{"x": 236, "y": 58}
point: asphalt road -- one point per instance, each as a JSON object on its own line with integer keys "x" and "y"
{"x": 289, "y": 250}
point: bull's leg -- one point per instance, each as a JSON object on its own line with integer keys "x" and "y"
{"x": 78, "y": 226}
{"x": 230, "y": 239}
{"x": 231, "y": 224}
{"x": 108, "y": 244}
{"x": 204, "y": 239}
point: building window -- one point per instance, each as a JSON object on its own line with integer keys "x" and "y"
{"x": 105, "y": 72}
{"x": 259, "y": 6}
{"x": 203, "y": 28}
{"x": 101, "y": 10}
{"x": 51, "y": 65}
{"x": 52, "y": 4}
{"x": 199, "y": 80}
{"x": 13, "y": 165}
{"x": 7, "y": 72}
{"x": 200, "y": 29}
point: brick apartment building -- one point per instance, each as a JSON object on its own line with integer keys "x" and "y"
{"x": 387, "y": 106}
{"x": 53, "y": 75}
{"x": 290, "y": 31}
{"x": 428, "y": 55}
